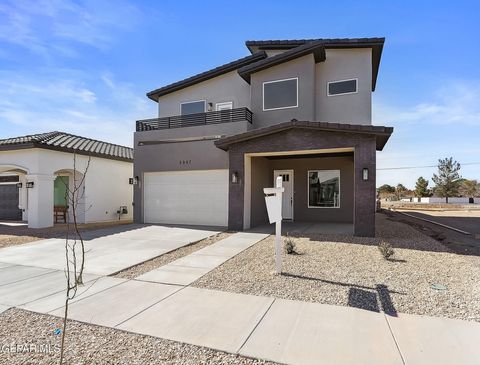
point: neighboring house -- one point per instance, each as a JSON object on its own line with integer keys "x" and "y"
{"x": 300, "y": 109}
{"x": 35, "y": 171}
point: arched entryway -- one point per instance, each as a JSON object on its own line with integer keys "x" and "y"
{"x": 69, "y": 196}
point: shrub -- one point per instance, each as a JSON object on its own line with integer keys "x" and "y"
{"x": 290, "y": 245}
{"x": 386, "y": 249}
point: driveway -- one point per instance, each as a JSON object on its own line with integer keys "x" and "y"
{"x": 36, "y": 270}
{"x": 108, "y": 250}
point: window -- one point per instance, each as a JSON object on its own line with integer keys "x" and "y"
{"x": 324, "y": 189}
{"x": 280, "y": 94}
{"x": 227, "y": 105}
{"x": 192, "y": 107}
{"x": 342, "y": 87}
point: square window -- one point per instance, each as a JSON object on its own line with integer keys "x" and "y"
{"x": 280, "y": 94}
{"x": 324, "y": 189}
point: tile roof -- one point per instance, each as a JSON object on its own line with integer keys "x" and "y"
{"x": 376, "y": 44}
{"x": 289, "y": 43}
{"x": 217, "y": 71}
{"x": 316, "y": 48}
{"x": 381, "y": 133}
{"x": 259, "y": 56}
{"x": 66, "y": 142}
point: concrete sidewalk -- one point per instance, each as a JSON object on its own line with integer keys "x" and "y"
{"x": 284, "y": 331}
{"x": 190, "y": 268}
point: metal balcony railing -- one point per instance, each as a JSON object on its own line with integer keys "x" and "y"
{"x": 191, "y": 120}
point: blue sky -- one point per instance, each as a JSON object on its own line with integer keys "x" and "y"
{"x": 84, "y": 66}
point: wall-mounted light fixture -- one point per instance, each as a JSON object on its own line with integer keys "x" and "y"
{"x": 133, "y": 180}
{"x": 19, "y": 185}
{"x": 365, "y": 174}
{"x": 29, "y": 184}
{"x": 235, "y": 177}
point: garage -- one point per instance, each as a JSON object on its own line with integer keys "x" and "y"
{"x": 197, "y": 197}
{"x": 9, "y": 203}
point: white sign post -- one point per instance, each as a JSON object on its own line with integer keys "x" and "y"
{"x": 273, "y": 200}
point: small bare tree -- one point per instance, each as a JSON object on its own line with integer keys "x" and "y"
{"x": 74, "y": 265}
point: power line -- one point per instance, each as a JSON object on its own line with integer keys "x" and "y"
{"x": 421, "y": 167}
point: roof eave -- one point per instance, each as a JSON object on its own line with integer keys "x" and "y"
{"x": 29, "y": 145}
{"x": 382, "y": 134}
{"x": 204, "y": 76}
{"x": 317, "y": 50}
{"x": 375, "y": 43}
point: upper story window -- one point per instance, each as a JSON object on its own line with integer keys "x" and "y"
{"x": 192, "y": 107}
{"x": 280, "y": 94}
{"x": 342, "y": 87}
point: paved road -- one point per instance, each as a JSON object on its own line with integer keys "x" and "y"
{"x": 457, "y": 242}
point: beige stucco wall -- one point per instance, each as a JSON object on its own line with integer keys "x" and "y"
{"x": 302, "y": 68}
{"x": 343, "y": 64}
{"x": 223, "y": 88}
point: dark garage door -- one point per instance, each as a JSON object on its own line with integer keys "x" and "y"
{"x": 9, "y": 203}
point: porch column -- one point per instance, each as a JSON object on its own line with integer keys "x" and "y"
{"x": 22, "y": 197}
{"x": 365, "y": 191}
{"x": 236, "y": 191}
{"x": 40, "y": 201}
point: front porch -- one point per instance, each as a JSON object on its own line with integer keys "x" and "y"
{"x": 330, "y": 170}
{"x": 319, "y": 186}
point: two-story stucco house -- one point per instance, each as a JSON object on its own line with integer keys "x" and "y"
{"x": 296, "y": 108}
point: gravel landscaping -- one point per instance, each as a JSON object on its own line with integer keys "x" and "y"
{"x": 12, "y": 235}
{"x": 89, "y": 344}
{"x": 351, "y": 271}
{"x": 164, "y": 259}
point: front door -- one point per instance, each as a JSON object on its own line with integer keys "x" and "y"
{"x": 287, "y": 198}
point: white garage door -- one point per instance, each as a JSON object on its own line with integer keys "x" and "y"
{"x": 186, "y": 197}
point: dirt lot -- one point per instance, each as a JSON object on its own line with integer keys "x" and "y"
{"x": 430, "y": 206}
{"x": 12, "y": 234}
{"x": 351, "y": 271}
{"x": 458, "y": 242}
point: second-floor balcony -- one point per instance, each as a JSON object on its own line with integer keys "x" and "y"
{"x": 197, "y": 119}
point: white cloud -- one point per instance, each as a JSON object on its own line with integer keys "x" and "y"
{"x": 47, "y": 103}
{"x": 456, "y": 102}
{"x": 446, "y": 124}
{"x": 45, "y": 26}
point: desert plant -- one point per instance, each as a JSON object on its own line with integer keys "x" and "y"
{"x": 289, "y": 245}
{"x": 386, "y": 249}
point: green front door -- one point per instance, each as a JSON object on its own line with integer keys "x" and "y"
{"x": 60, "y": 191}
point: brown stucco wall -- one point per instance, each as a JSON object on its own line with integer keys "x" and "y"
{"x": 261, "y": 178}
{"x": 301, "y": 166}
{"x": 308, "y": 139}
